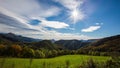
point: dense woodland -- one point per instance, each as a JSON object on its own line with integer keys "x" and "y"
{"x": 12, "y": 46}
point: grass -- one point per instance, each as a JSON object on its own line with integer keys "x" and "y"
{"x": 73, "y": 61}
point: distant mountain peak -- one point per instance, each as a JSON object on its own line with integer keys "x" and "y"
{"x": 10, "y": 33}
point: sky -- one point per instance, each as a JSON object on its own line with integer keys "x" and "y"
{"x": 60, "y": 19}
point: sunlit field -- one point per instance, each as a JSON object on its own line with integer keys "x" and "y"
{"x": 73, "y": 61}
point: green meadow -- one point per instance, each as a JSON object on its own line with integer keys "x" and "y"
{"x": 73, "y": 61}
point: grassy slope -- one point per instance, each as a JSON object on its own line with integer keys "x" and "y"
{"x": 74, "y": 60}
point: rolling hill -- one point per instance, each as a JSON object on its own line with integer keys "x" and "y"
{"x": 107, "y": 44}
{"x": 74, "y": 44}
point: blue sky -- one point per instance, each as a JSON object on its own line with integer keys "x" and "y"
{"x": 60, "y": 19}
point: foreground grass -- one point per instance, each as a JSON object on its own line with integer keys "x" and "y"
{"x": 58, "y": 62}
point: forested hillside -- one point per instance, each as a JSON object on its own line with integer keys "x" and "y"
{"x": 108, "y": 44}
{"x": 12, "y": 45}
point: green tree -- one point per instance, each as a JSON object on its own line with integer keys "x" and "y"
{"x": 28, "y": 52}
{"x": 54, "y": 53}
{"x": 39, "y": 54}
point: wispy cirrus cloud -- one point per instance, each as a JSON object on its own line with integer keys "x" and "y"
{"x": 51, "y": 34}
{"x": 22, "y": 11}
{"x": 66, "y": 36}
{"x": 29, "y": 8}
{"x": 70, "y": 4}
{"x": 54, "y": 24}
{"x": 15, "y": 16}
{"x": 25, "y": 10}
{"x": 42, "y": 33}
{"x": 91, "y": 29}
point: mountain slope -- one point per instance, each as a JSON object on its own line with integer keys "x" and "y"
{"x": 107, "y": 44}
{"x": 73, "y": 44}
{"x": 46, "y": 44}
{"x": 10, "y": 37}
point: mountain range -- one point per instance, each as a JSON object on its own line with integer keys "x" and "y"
{"x": 104, "y": 44}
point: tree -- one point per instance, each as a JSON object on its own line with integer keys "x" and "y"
{"x": 2, "y": 49}
{"x": 39, "y": 54}
{"x": 54, "y": 53}
{"x": 28, "y": 52}
{"x": 42, "y": 55}
{"x": 49, "y": 54}
{"x": 14, "y": 50}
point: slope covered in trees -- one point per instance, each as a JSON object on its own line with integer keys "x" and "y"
{"x": 47, "y": 48}
{"x": 108, "y": 44}
{"x": 74, "y": 44}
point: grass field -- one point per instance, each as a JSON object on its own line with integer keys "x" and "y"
{"x": 58, "y": 62}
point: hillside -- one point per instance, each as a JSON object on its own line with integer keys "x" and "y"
{"x": 107, "y": 44}
{"x": 46, "y": 44}
{"x": 10, "y": 37}
{"x": 74, "y": 44}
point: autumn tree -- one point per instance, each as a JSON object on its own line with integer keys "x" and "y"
{"x": 14, "y": 50}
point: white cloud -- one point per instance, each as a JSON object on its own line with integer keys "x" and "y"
{"x": 29, "y": 8}
{"x": 43, "y": 33}
{"x": 57, "y": 35}
{"x": 22, "y": 11}
{"x": 10, "y": 16}
{"x": 70, "y": 4}
{"x": 91, "y": 29}
{"x": 54, "y": 24}
{"x": 66, "y": 36}
{"x": 99, "y": 23}
{"x": 17, "y": 14}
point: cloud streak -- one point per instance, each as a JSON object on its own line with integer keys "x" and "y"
{"x": 54, "y": 24}
{"x": 91, "y": 29}
{"x": 15, "y": 16}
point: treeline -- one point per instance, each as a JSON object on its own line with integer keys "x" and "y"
{"x": 97, "y": 53}
{"x": 29, "y": 52}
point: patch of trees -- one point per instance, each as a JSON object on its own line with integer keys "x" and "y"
{"x": 29, "y": 52}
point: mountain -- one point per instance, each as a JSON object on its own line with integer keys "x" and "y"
{"x": 10, "y": 37}
{"x": 46, "y": 44}
{"x": 107, "y": 44}
{"x": 74, "y": 44}
{"x": 53, "y": 40}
